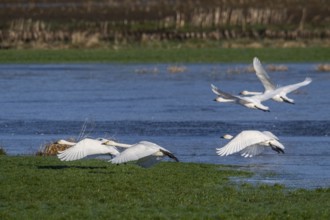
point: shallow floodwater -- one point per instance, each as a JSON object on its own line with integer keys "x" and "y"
{"x": 42, "y": 103}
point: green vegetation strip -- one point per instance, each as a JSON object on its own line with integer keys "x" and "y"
{"x": 45, "y": 188}
{"x": 165, "y": 55}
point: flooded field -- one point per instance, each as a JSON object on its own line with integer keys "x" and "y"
{"x": 42, "y": 103}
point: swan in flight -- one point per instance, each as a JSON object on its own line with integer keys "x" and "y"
{"x": 86, "y": 148}
{"x": 253, "y": 102}
{"x": 250, "y": 143}
{"x": 270, "y": 86}
{"x": 144, "y": 153}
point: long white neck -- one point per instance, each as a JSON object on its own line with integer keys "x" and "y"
{"x": 245, "y": 92}
{"x": 113, "y": 143}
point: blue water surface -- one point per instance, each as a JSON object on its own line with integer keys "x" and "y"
{"x": 133, "y": 102}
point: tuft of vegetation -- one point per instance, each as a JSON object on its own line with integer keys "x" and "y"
{"x": 52, "y": 148}
{"x": 323, "y": 67}
{"x": 2, "y": 151}
{"x": 46, "y": 188}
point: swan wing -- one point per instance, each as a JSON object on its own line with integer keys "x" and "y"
{"x": 270, "y": 135}
{"x": 136, "y": 152}
{"x": 290, "y": 88}
{"x": 222, "y": 94}
{"x": 277, "y": 144}
{"x": 268, "y": 94}
{"x": 241, "y": 141}
{"x": 84, "y": 148}
{"x": 263, "y": 75}
{"x": 252, "y": 150}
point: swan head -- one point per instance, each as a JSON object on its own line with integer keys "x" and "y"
{"x": 102, "y": 140}
{"x": 227, "y": 137}
{"x": 109, "y": 142}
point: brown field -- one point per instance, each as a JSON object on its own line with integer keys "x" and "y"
{"x": 85, "y": 24}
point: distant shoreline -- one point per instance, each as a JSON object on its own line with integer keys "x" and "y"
{"x": 103, "y": 23}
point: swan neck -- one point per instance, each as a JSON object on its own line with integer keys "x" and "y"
{"x": 113, "y": 143}
{"x": 251, "y": 93}
{"x": 123, "y": 145}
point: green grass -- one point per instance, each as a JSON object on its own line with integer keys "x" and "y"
{"x": 45, "y": 188}
{"x": 140, "y": 54}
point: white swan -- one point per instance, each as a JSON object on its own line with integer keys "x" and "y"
{"x": 253, "y": 102}
{"x": 270, "y": 86}
{"x": 85, "y": 148}
{"x": 250, "y": 143}
{"x": 144, "y": 153}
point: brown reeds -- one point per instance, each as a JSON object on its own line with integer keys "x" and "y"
{"x": 176, "y": 69}
{"x": 52, "y": 148}
{"x": 250, "y": 69}
{"x": 96, "y": 23}
{"x": 323, "y": 67}
{"x": 276, "y": 68}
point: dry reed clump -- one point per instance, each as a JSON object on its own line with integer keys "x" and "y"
{"x": 176, "y": 69}
{"x": 238, "y": 70}
{"x": 153, "y": 70}
{"x": 250, "y": 69}
{"x": 323, "y": 67}
{"x": 272, "y": 67}
{"x": 52, "y": 148}
{"x": 84, "y": 39}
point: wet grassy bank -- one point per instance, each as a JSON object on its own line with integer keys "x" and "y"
{"x": 46, "y": 188}
{"x": 166, "y": 55}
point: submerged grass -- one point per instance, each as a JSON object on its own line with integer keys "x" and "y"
{"x": 140, "y": 54}
{"x": 45, "y": 188}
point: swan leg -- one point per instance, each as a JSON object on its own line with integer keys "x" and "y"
{"x": 287, "y": 101}
{"x": 262, "y": 109}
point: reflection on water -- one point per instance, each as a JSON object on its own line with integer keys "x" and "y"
{"x": 41, "y": 103}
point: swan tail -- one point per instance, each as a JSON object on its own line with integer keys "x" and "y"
{"x": 277, "y": 149}
{"x": 170, "y": 155}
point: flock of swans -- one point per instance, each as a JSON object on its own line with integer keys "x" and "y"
{"x": 248, "y": 143}
{"x": 144, "y": 153}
